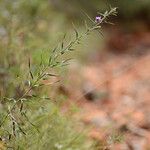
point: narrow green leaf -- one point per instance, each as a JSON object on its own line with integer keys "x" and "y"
{"x": 54, "y": 50}
{"x": 31, "y": 74}
{"x": 62, "y": 45}
{"x": 71, "y": 49}
{"x": 29, "y": 63}
{"x": 76, "y": 32}
{"x": 52, "y": 75}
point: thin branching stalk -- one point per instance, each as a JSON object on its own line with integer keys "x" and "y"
{"x": 53, "y": 61}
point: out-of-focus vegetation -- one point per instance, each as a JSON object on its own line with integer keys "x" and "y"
{"x": 30, "y": 30}
{"x": 135, "y": 9}
{"x": 27, "y": 28}
{"x": 29, "y": 119}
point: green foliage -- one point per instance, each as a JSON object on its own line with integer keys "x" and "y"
{"x": 52, "y": 131}
{"x": 28, "y": 118}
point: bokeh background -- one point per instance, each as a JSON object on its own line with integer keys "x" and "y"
{"x": 111, "y": 72}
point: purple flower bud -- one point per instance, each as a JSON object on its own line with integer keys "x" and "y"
{"x": 98, "y": 19}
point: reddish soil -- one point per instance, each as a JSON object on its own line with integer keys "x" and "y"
{"x": 113, "y": 92}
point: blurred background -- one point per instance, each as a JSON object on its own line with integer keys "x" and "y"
{"x": 112, "y": 71}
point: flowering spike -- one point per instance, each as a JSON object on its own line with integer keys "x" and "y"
{"x": 98, "y": 19}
